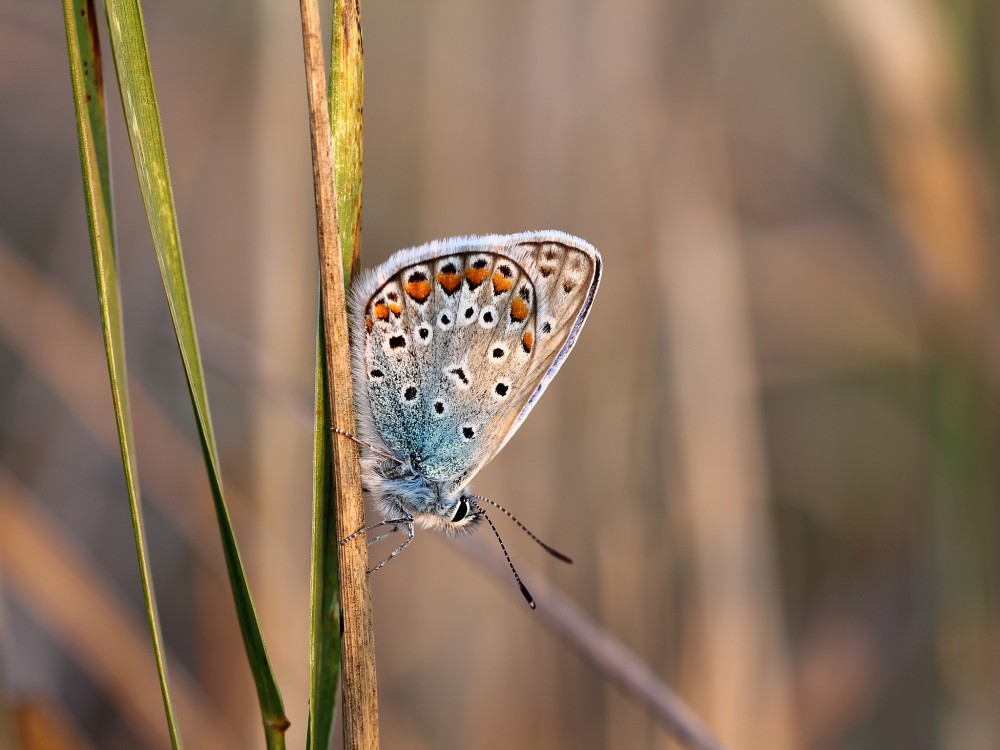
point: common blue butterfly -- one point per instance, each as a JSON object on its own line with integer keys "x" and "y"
{"x": 453, "y": 342}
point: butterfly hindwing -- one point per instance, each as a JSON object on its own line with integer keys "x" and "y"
{"x": 566, "y": 272}
{"x": 455, "y": 340}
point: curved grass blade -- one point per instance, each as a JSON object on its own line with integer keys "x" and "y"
{"x": 128, "y": 41}
{"x": 88, "y": 97}
{"x": 345, "y": 87}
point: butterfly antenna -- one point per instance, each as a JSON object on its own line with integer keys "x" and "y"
{"x": 551, "y": 550}
{"x": 369, "y": 446}
{"x": 524, "y": 589}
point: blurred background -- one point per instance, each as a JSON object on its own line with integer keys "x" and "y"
{"x": 772, "y": 454}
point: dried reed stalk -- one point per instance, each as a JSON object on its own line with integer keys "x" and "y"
{"x": 360, "y": 697}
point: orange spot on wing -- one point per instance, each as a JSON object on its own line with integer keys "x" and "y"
{"x": 395, "y": 308}
{"x": 528, "y": 340}
{"x": 501, "y": 283}
{"x": 381, "y": 311}
{"x": 449, "y": 281}
{"x": 476, "y": 276}
{"x": 518, "y": 309}
{"x": 368, "y": 323}
{"x": 419, "y": 290}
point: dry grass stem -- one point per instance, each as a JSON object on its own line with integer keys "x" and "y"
{"x": 360, "y": 695}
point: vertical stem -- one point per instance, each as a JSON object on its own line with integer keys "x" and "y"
{"x": 358, "y": 657}
{"x": 346, "y": 91}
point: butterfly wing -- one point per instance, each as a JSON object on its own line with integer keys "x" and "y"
{"x": 455, "y": 341}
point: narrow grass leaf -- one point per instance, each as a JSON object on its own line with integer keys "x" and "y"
{"x": 128, "y": 39}
{"x": 88, "y": 96}
{"x": 324, "y": 630}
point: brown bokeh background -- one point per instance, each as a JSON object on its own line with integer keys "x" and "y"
{"x": 772, "y": 454}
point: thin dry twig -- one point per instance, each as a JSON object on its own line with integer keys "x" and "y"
{"x": 360, "y": 697}
{"x": 607, "y": 654}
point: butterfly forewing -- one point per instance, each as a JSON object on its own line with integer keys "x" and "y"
{"x": 454, "y": 341}
{"x": 565, "y": 272}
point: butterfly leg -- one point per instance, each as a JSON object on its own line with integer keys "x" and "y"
{"x": 408, "y": 526}
{"x": 394, "y": 522}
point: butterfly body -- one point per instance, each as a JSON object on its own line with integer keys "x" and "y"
{"x": 453, "y": 343}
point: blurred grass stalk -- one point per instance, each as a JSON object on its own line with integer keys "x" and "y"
{"x": 336, "y": 150}
{"x": 7, "y": 733}
{"x": 734, "y": 662}
{"x": 907, "y": 61}
{"x": 56, "y": 581}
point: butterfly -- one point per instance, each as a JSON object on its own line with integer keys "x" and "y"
{"x": 452, "y": 344}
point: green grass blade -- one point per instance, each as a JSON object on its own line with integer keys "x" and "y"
{"x": 128, "y": 39}
{"x": 88, "y": 96}
{"x": 345, "y": 96}
{"x": 324, "y": 626}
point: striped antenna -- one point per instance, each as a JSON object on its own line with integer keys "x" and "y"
{"x": 524, "y": 589}
{"x": 551, "y": 550}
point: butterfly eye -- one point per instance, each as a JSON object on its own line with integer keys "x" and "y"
{"x": 461, "y": 511}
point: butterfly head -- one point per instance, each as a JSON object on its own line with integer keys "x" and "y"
{"x": 401, "y": 489}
